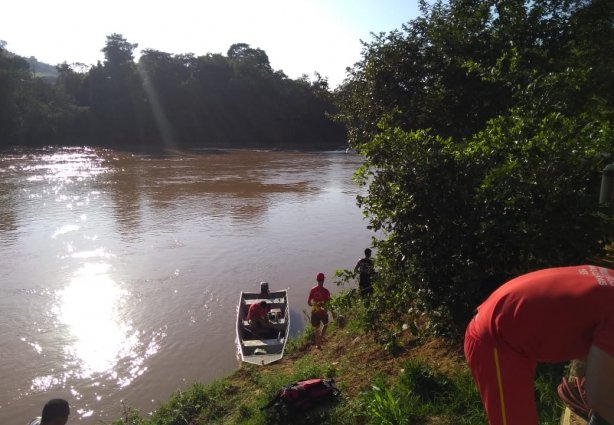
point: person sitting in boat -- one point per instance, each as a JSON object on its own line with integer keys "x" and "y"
{"x": 258, "y": 317}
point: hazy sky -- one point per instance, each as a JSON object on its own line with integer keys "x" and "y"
{"x": 299, "y": 36}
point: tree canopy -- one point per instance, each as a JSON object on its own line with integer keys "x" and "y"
{"x": 167, "y": 101}
{"x": 485, "y": 125}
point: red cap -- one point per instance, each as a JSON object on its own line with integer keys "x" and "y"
{"x": 320, "y": 276}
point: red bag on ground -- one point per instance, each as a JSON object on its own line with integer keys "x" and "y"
{"x": 302, "y": 395}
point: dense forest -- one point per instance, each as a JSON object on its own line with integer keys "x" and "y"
{"x": 165, "y": 101}
{"x": 486, "y": 126}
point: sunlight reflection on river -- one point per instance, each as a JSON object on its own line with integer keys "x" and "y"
{"x": 91, "y": 308}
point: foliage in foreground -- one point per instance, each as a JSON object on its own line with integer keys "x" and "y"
{"x": 423, "y": 394}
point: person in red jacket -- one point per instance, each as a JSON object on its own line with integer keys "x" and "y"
{"x": 318, "y": 297}
{"x": 258, "y": 318}
{"x": 547, "y": 316}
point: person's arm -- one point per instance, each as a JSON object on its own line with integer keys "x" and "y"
{"x": 599, "y": 382}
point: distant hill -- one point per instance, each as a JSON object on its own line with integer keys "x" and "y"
{"x": 39, "y": 69}
{"x": 43, "y": 70}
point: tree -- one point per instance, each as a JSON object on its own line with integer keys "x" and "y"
{"x": 484, "y": 129}
{"x": 421, "y": 70}
{"x": 14, "y": 71}
{"x": 118, "y": 52}
{"x": 32, "y": 111}
{"x": 115, "y": 95}
{"x": 166, "y": 79}
{"x": 242, "y": 53}
{"x": 70, "y": 81}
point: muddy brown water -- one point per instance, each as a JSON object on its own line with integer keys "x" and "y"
{"x": 121, "y": 272}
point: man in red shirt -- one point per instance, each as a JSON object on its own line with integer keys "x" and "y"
{"x": 257, "y": 316}
{"x": 547, "y": 316}
{"x": 318, "y": 297}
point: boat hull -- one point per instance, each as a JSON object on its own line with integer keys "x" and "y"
{"x": 267, "y": 347}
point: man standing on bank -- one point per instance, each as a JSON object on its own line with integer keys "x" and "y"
{"x": 365, "y": 270}
{"x": 546, "y": 316}
{"x": 318, "y": 297}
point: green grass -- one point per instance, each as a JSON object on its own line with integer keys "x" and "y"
{"x": 421, "y": 394}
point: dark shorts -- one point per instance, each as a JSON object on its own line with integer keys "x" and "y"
{"x": 364, "y": 283}
{"x": 318, "y": 317}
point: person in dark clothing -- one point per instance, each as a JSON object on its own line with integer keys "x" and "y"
{"x": 365, "y": 270}
{"x": 55, "y": 412}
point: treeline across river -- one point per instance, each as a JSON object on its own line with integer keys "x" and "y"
{"x": 166, "y": 100}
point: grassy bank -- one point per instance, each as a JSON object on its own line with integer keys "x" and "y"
{"x": 425, "y": 381}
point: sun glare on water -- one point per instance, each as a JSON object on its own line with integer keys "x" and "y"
{"x": 90, "y": 307}
{"x": 101, "y": 342}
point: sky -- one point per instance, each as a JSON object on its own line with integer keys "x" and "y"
{"x": 299, "y": 36}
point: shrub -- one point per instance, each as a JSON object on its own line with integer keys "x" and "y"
{"x": 460, "y": 219}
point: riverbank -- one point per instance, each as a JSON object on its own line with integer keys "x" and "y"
{"x": 351, "y": 357}
{"x": 421, "y": 380}
{"x": 424, "y": 381}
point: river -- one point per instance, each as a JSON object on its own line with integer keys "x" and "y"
{"x": 121, "y": 272}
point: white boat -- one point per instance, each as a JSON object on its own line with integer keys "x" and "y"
{"x": 266, "y": 347}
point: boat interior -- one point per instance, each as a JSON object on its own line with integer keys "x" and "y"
{"x": 270, "y": 340}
